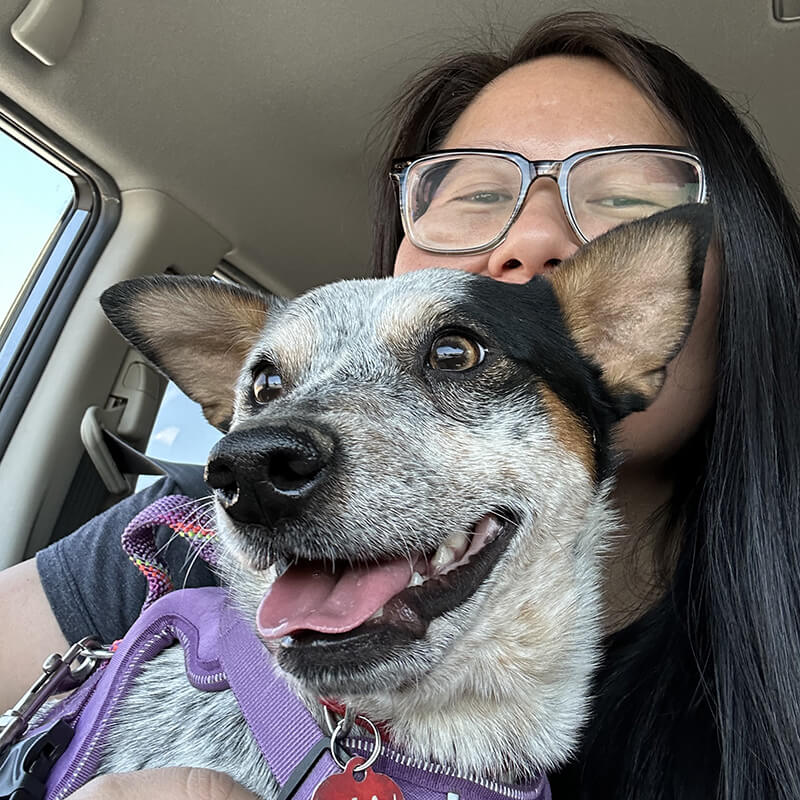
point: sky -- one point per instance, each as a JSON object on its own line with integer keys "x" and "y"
{"x": 33, "y": 196}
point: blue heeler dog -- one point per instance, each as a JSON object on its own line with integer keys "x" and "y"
{"x": 413, "y": 492}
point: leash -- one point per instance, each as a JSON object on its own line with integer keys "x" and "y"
{"x": 188, "y": 518}
{"x": 25, "y": 764}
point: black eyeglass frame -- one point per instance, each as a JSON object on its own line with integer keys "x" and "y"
{"x": 558, "y": 170}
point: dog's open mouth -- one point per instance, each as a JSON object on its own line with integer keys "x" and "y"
{"x": 315, "y": 604}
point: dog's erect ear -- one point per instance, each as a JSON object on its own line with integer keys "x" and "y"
{"x": 629, "y": 298}
{"x": 197, "y": 331}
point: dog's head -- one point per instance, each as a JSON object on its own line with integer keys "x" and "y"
{"x": 414, "y": 481}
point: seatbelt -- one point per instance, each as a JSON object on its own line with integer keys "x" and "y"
{"x": 113, "y": 458}
{"x": 130, "y": 461}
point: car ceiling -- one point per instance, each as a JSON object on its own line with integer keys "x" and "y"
{"x": 256, "y": 114}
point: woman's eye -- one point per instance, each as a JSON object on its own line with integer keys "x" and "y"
{"x": 267, "y": 385}
{"x": 454, "y": 352}
{"x": 486, "y": 197}
{"x": 622, "y": 202}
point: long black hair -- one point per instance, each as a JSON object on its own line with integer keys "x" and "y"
{"x": 700, "y": 698}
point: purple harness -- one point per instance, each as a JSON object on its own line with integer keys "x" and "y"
{"x": 222, "y": 651}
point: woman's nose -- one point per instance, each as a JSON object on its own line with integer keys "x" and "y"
{"x": 539, "y": 239}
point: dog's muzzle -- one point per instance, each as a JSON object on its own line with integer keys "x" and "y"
{"x": 266, "y": 473}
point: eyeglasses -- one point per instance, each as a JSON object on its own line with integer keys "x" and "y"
{"x": 464, "y": 201}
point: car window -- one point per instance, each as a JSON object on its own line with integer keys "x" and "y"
{"x": 35, "y": 197}
{"x": 43, "y": 212}
{"x": 180, "y": 433}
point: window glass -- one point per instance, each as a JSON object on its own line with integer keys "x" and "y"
{"x": 180, "y": 433}
{"x": 35, "y": 198}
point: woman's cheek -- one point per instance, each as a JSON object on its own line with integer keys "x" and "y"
{"x": 410, "y": 258}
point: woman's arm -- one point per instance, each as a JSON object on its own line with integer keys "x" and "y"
{"x": 29, "y": 631}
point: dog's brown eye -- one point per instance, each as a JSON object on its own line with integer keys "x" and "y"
{"x": 454, "y": 352}
{"x": 267, "y": 386}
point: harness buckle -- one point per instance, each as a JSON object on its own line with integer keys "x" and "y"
{"x": 27, "y": 764}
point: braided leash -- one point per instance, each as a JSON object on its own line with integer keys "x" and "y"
{"x": 181, "y": 514}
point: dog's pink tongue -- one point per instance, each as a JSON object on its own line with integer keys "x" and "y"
{"x": 307, "y": 598}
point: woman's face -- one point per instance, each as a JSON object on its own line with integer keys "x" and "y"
{"x": 550, "y": 108}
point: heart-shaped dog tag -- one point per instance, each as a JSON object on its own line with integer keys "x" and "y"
{"x": 362, "y": 785}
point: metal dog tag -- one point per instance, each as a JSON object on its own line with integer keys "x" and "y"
{"x": 362, "y": 785}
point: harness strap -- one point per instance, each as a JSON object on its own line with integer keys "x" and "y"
{"x": 217, "y": 658}
{"x": 280, "y": 723}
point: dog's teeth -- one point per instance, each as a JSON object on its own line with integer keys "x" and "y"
{"x": 488, "y": 528}
{"x": 442, "y": 557}
{"x": 416, "y": 580}
{"x": 377, "y": 615}
{"x": 458, "y": 543}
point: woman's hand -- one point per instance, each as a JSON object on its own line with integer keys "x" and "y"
{"x": 173, "y": 783}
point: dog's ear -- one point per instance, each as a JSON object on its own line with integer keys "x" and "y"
{"x": 629, "y": 298}
{"x": 198, "y": 331}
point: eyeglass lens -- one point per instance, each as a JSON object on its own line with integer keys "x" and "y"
{"x": 463, "y": 202}
{"x": 609, "y": 189}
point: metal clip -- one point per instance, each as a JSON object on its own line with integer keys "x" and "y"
{"x": 339, "y": 730}
{"x": 59, "y": 673}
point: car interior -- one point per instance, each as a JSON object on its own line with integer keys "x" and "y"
{"x": 238, "y": 139}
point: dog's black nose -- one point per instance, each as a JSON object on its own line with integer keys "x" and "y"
{"x": 263, "y": 474}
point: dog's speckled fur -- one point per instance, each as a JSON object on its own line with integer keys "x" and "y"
{"x": 499, "y": 685}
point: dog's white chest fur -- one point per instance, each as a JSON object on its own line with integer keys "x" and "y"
{"x": 165, "y": 722}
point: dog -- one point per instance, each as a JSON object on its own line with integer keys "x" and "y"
{"x": 413, "y": 493}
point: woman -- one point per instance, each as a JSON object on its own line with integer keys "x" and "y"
{"x": 699, "y": 694}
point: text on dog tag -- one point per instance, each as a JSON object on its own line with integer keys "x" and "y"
{"x": 362, "y": 785}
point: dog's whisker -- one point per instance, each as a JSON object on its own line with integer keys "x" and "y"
{"x": 200, "y": 520}
{"x": 207, "y": 542}
{"x": 502, "y": 517}
{"x": 197, "y": 551}
{"x": 163, "y": 549}
{"x": 201, "y": 502}
{"x": 188, "y": 568}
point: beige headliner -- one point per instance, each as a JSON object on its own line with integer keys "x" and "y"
{"x": 254, "y": 113}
